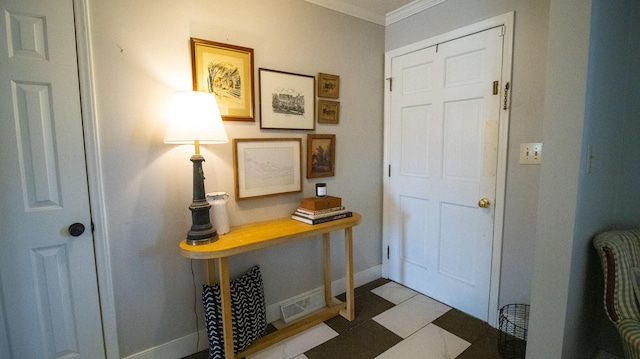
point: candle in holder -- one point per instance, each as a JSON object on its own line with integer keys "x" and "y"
{"x": 321, "y": 189}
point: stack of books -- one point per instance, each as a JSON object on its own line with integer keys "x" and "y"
{"x": 315, "y": 210}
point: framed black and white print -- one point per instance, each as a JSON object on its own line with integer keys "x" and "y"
{"x": 287, "y": 100}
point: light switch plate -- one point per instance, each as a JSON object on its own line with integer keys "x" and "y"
{"x": 531, "y": 153}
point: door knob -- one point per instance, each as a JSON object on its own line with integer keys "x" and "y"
{"x": 76, "y": 229}
{"x": 484, "y": 203}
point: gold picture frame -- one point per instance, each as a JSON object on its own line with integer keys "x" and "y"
{"x": 328, "y": 111}
{"x": 267, "y": 166}
{"x": 227, "y": 72}
{"x": 328, "y": 85}
{"x": 321, "y": 155}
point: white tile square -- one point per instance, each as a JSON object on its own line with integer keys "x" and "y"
{"x": 430, "y": 342}
{"x": 301, "y": 356}
{"x": 409, "y": 316}
{"x": 298, "y": 344}
{"x": 394, "y": 292}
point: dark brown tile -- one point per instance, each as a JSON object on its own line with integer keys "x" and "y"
{"x": 465, "y": 326}
{"x": 200, "y": 355}
{"x": 366, "y": 341}
{"x": 365, "y": 288}
{"x": 367, "y": 305}
{"x": 485, "y": 347}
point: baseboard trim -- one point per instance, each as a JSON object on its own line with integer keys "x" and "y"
{"x": 182, "y": 347}
{"x": 177, "y": 348}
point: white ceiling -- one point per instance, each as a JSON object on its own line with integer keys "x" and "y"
{"x": 381, "y": 12}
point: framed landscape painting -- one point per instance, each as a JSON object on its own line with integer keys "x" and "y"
{"x": 321, "y": 155}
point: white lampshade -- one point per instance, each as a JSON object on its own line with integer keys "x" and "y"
{"x": 194, "y": 116}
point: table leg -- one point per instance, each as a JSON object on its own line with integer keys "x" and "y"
{"x": 210, "y": 271}
{"x": 225, "y": 297}
{"x": 349, "y": 313}
{"x": 328, "y": 297}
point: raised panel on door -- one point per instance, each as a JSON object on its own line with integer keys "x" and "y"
{"x": 412, "y": 159}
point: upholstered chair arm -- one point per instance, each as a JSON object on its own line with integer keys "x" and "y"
{"x": 630, "y": 333}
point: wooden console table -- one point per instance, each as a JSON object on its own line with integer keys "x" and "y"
{"x": 250, "y": 237}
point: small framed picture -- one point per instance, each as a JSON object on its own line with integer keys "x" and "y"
{"x": 328, "y": 86}
{"x": 328, "y": 111}
{"x": 227, "y": 72}
{"x": 267, "y": 166}
{"x": 321, "y": 155}
{"x": 287, "y": 100}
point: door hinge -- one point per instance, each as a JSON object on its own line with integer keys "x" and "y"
{"x": 506, "y": 96}
{"x": 387, "y": 252}
{"x": 389, "y": 170}
{"x": 390, "y": 79}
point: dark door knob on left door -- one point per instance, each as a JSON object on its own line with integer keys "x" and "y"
{"x": 76, "y": 229}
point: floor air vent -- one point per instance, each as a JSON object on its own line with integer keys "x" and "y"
{"x": 302, "y": 305}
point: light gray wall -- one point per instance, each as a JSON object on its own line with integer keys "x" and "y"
{"x": 527, "y": 103}
{"x": 569, "y": 23}
{"x": 628, "y": 197}
{"x": 141, "y": 56}
{"x": 607, "y": 192}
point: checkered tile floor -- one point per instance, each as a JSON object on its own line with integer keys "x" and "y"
{"x": 391, "y": 322}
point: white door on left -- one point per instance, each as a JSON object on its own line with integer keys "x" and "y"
{"x": 49, "y": 304}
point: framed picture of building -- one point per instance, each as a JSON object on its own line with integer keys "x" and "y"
{"x": 287, "y": 100}
{"x": 227, "y": 72}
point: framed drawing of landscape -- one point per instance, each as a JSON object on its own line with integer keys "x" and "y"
{"x": 287, "y": 100}
{"x": 267, "y": 166}
{"x": 227, "y": 72}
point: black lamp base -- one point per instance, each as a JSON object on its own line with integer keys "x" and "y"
{"x": 199, "y": 242}
{"x": 202, "y": 231}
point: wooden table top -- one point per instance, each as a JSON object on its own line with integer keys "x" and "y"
{"x": 259, "y": 235}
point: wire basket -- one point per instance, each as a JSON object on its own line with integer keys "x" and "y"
{"x": 513, "y": 323}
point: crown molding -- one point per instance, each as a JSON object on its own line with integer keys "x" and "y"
{"x": 393, "y": 16}
{"x": 410, "y": 9}
{"x": 349, "y": 9}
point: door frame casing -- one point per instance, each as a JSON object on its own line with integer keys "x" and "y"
{"x": 94, "y": 177}
{"x": 506, "y": 20}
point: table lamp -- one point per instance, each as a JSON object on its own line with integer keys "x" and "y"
{"x": 195, "y": 119}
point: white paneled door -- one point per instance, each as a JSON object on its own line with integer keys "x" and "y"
{"x": 49, "y": 305}
{"x": 443, "y": 130}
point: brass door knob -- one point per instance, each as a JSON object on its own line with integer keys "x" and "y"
{"x": 484, "y": 203}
